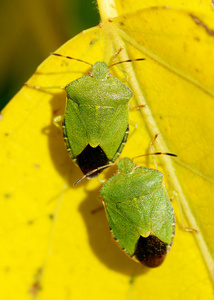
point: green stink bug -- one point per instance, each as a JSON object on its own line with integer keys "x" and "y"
{"x": 139, "y": 212}
{"x": 95, "y": 125}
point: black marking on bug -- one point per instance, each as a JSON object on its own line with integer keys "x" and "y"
{"x": 119, "y": 150}
{"x": 151, "y": 251}
{"x": 114, "y": 237}
{"x": 92, "y": 158}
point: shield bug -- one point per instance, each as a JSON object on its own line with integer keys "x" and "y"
{"x": 95, "y": 125}
{"x": 139, "y": 212}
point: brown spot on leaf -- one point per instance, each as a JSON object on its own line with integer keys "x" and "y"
{"x": 196, "y": 38}
{"x": 92, "y": 42}
{"x": 30, "y": 222}
{"x": 36, "y": 286}
{"x": 51, "y": 216}
{"x": 199, "y": 22}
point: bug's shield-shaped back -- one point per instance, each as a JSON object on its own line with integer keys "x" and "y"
{"x": 96, "y": 113}
{"x": 137, "y": 205}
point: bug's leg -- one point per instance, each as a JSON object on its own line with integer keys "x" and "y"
{"x": 135, "y": 125}
{"x": 99, "y": 208}
{"x": 115, "y": 55}
{"x": 186, "y": 228}
{"x": 131, "y": 122}
{"x": 136, "y": 107}
{"x": 43, "y": 87}
{"x": 99, "y": 178}
{"x": 58, "y": 119}
{"x": 151, "y": 150}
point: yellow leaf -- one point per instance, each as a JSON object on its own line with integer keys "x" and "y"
{"x": 125, "y": 6}
{"x": 52, "y": 244}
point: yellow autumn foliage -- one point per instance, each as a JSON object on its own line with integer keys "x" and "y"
{"x": 52, "y": 244}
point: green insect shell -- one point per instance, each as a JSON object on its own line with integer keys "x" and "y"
{"x": 95, "y": 125}
{"x": 139, "y": 212}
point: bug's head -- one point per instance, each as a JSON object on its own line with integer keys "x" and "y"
{"x": 100, "y": 70}
{"x": 126, "y": 165}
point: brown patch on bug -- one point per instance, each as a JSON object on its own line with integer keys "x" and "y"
{"x": 151, "y": 251}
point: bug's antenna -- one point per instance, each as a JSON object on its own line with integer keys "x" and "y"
{"x": 156, "y": 153}
{"x": 124, "y": 61}
{"x": 94, "y": 171}
{"x": 69, "y": 57}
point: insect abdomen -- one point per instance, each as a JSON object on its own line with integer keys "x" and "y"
{"x": 151, "y": 251}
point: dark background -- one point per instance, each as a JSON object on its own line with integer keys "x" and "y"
{"x": 31, "y": 30}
